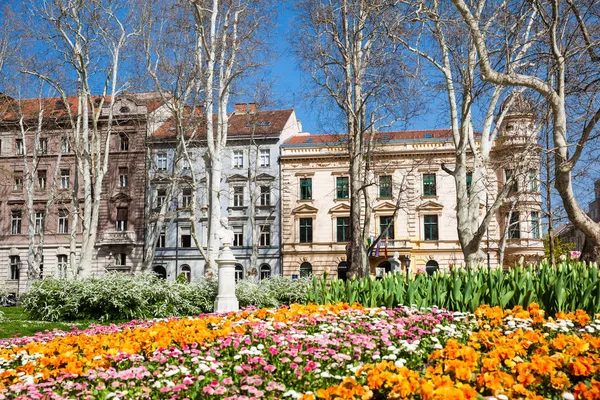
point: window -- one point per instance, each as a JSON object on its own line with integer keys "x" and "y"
{"x": 186, "y": 236}
{"x": 305, "y": 188}
{"x": 124, "y": 144}
{"x": 124, "y": 110}
{"x": 15, "y": 222}
{"x": 343, "y": 229}
{"x": 18, "y": 186}
{"x": 238, "y": 159}
{"x": 239, "y": 272}
{"x": 265, "y": 157}
{"x": 39, "y": 221}
{"x": 62, "y": 263}
{"x": 238, "y": 196}
{"x": 19, "y": 147}
{"x": 341, "y": 187}
{"x": 305, "y": 269}
{"x": 65, "y": 145}
{"x": 42, "y": 146}
{"x": 429, "y": 185}
{"x": 186, "y": 271}
{"x": 186, "y": 197}
{"x": 161, "y": 242}
{"x": 120, "y": 259}
{"x": 306, "y": 230}
{"x": 41, "y": 179}
{"x": 15, "y": 266}
{"x": 514, "y": 226}
{"x": 514, "y": 186}
{"x": 533, "y": 181}
{"x": 383, "y": 225}
{"x": 122, "y": 217}
{"x": 63, "y": 221}
{"x": 161, "y": 161}
{"x": 265, "y": 271}
{"x": 41, "y": 267}
{"x": 385, "y": 186}
{"x": 265, "y": 235}
{"x": 535, "y": 225}
{"x": 161, "y": 196}
{"x": 430, "y": 227}
{"x": 469, "y": 182}
{"x": 64, "y": 178}
{"x": 265, "y": 196}
{"x": 123, "y": 177}
{"x": 238, "y": 236}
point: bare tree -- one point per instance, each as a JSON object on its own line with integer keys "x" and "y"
{"x": 221, "y": 41}
{"x": 566, "y": 77}
{"x": 355, "y": 66}
{"x": 88, "y": 38}
{"x": 432, "y": 35}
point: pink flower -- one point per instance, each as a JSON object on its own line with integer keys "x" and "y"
{"x": 209, "y": 390}
{"x": 227, "y": 381}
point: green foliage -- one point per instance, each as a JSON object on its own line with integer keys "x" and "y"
{"x": 561, "y": 248}
{"x": 571, "y": 285}
{"x": 119, "y": 297}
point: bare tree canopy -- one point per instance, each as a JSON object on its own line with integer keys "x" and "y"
{"x": 355, "y": 65}
{"x": 563, "y": 68}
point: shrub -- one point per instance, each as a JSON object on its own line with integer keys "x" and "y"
{"x": 117, "y": 297}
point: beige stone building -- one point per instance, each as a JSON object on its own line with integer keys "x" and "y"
{"x": 410, "y": 189}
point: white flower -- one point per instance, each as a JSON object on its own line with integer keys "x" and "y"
{"x": 568, "y": 396}
{"x": 502, "y": 397}
{"x": 292, "y": 393}
{"x": 400, "y": 363}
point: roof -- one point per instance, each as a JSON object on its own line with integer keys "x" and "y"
{"x": 11, "y": 109}
{"x": 268, "y": 122}
{"x": 380, "y": 137}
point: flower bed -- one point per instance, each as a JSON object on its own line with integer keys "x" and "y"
{"x": 314, "y": 352}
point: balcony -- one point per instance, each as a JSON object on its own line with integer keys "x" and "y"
{"x": 113, "y": 237}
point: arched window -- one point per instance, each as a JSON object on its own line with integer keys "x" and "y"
{"x": 265, "y": 271}
{"x": 239, "y": 272}
{"x": 305, "y": 269}
{"x": 342, "y": 268}
{"x": 124, "y": 110}
{"x": 431, "y": 267}
{"x": 160, "y": 271}
{"x": 187, "y": 272}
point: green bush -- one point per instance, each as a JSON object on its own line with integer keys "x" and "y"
{"x": 569, "y": 286}
{"x": 118, "y": 297}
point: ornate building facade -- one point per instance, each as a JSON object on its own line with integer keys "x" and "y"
{"x": 250, "y": 194}
{"x": 55, "y": 177}
{"x": 412, "y": 197}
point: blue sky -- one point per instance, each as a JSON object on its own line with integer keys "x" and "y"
{"x": 290, "y": 85}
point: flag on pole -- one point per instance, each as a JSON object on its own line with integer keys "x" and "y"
{"x": 385, "y": 249}
{"x": 378, "y": 248}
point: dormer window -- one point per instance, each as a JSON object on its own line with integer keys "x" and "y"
{"x": 124, "y": 110}
{"x": 97, "y": 102}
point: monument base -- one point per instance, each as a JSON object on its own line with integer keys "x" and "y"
{"x": 226, "y": 304}
{"x": 226, "y": 300}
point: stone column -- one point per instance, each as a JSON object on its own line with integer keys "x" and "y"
{"x": 226, "y": 300}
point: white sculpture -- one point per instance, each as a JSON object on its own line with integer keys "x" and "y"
{"x": 225, "y": 234}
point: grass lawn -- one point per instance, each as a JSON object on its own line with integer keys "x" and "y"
{"x": 17, "y": 324}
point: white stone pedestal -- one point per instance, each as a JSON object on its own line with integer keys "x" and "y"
{"x": 226, "y": 300}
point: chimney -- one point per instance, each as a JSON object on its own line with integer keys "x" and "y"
{"x": 252, "y": 108}
{"x": 240, "y": 108}
{"x": 299, "y": 126}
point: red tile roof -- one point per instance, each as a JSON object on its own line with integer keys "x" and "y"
{"x": 12, "y": 109}
{"x": 381, "y": 137}
{"x": 269, "y": 122}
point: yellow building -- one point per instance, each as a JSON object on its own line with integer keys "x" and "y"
{"x": 409, "y": 188}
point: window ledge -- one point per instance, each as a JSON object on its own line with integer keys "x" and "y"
{"x": 384, "y": 198}
{"x": 432, "y": 197}
{"x": 341, "y": 200}
{"x": 306, "y": 201}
